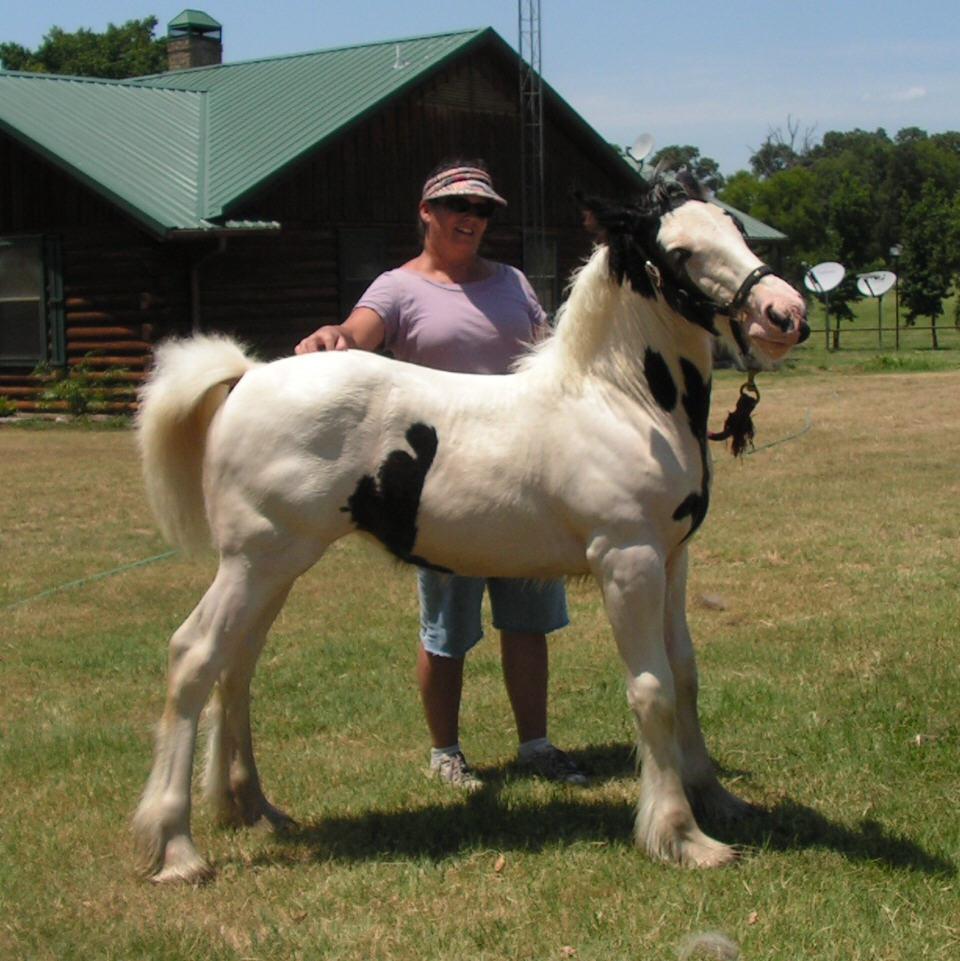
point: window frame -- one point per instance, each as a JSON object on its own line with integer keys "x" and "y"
{"x": 49, "y": 300}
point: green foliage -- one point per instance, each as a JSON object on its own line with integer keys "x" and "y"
{"x": 853, "y": 196}
{"x": 7, "y": 407}
{"x": 929, "y": 256}
{"x": 781, "y": 151}
{"x": 129, "y": 50}
{"x": 898, "y": 363}
{"x": 705, "y": 169}
{"x": 773, "y": 158}
{"x": 77, "y": 390}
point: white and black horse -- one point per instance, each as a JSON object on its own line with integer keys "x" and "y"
{"x": 591, "y": 458}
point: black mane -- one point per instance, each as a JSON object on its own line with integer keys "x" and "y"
{"x": 630, "y": 229}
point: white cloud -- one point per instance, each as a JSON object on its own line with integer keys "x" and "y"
{"x": 909, "y": 94}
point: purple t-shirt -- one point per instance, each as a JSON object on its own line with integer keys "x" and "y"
{"x": 473, "y": 328}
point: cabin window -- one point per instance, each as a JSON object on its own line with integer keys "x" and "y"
{"x": 31, "y": 322}
{"x": 363, "y": 257}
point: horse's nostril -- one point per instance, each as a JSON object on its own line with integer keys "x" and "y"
{"x": 804, "y": 331}
{"x": 778, "y": 321}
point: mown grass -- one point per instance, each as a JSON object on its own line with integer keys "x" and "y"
{"x": 824, "y": 595}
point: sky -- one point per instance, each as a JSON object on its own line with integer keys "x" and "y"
{"x": 720, "y": 76}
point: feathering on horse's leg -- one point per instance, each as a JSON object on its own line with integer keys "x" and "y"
{"x": 200, "y": 649}
{"x": 231, "y": 780}
{"x": 707, "y": 795}
{"x": 633, "y": 579}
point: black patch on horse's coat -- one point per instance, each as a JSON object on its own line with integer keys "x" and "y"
{"x": 387, "y": 506}
{"x": 696, "y": 403}
{"x": 658, "y": 376}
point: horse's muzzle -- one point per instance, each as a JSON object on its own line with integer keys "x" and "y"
{"x": 788, "y": 323}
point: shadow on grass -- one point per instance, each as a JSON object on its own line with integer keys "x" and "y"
{"x": 490, "y": 819}
{"x": 791, "y": 826}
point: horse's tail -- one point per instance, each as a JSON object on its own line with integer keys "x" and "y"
{"x": 190, "y": 380}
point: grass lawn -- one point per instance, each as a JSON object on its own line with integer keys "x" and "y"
{"x": 824, "y": 598}
{"x": 868, "y": 343}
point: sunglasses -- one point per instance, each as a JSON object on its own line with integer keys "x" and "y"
{"x": 460, "y": 205}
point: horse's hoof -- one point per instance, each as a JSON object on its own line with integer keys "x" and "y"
{"x": 674, "y": 838}
{"x": 182, "y": 865}
{"x": 707, "y": 853}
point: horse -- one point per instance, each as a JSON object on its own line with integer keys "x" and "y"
{"x": 589, "y": 458}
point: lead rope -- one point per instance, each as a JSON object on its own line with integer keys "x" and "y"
{"x": 739, "y": 423}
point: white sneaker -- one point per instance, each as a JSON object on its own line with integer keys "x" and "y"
{"x": 454, "y": 770}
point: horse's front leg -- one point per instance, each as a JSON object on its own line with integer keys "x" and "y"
{"x": 707, "y": 795}
{"x": 231, "y": 780}
{"x": 633, "y": 580}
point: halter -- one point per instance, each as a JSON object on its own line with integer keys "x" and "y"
{"x": 740, "y": 297}
{"x": 697, "y": 298}
{"x": 738, "y": 427}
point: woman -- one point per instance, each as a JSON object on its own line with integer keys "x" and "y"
{"x": 451, "y": 309}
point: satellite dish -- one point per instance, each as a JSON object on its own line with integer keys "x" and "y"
{"x": 641, "y": 146}
{"x": 875, "y": 283}
{"x": 824, "y": 277}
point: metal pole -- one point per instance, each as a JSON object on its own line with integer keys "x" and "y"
{"x": 895, "y": 252}
{"x": 533, "y": 205}
{"x": 826, "y": 307}
{"x": 896, "y": 301}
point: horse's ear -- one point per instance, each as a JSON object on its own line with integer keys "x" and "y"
{"x": 692, "y": 186}
{"x": 618, "y": 226}
{"x": 589, "y": 216}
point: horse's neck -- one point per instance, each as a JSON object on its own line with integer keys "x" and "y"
{"x": 607, "y": 332}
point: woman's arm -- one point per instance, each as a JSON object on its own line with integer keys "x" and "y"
{"x": 363, "y": 329}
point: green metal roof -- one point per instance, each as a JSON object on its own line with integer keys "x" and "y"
{"x": 179, "y": 150}
{"x": 176, "y": 149}
{"x": 266, "y": 114}
{"x": 756, "y": 230}
{"x": 137, "y": 146}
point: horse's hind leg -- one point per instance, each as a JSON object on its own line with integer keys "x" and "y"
{"x": 205, "y": 646}
{"x": 231, "y": 780}
{"x": 707, "y": 795}
{"x": 634, "y": 592}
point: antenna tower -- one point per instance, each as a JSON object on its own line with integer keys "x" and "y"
{"x": 533, "y": 221}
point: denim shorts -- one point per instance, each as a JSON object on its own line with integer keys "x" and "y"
{"x": 450, "y": 606}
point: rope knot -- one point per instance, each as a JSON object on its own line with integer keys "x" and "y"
{"x": 739, "y": 423}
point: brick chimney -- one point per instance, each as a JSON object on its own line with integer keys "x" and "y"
{"x": 193, "y": 40}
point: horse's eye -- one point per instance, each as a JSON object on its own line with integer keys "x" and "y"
{"x": 679, "y": 257}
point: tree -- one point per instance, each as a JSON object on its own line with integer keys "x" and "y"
{"x": 780, "y": 151}
{"x": 705, "y": 169}
{"x": 856, "y": 194}
{"x": 929, "y": 259}
{"x": 129, "y": 50}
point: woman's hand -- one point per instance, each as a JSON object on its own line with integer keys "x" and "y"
{"x": 332, "y": 337}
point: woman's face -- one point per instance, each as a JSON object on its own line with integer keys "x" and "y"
{"x": 455, "y": 233}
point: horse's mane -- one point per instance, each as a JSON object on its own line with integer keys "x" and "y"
{"x": 611, "y": 313}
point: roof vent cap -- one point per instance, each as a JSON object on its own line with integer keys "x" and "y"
{"x": 194, "y": 39}
{"x": 194, "y": 23}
